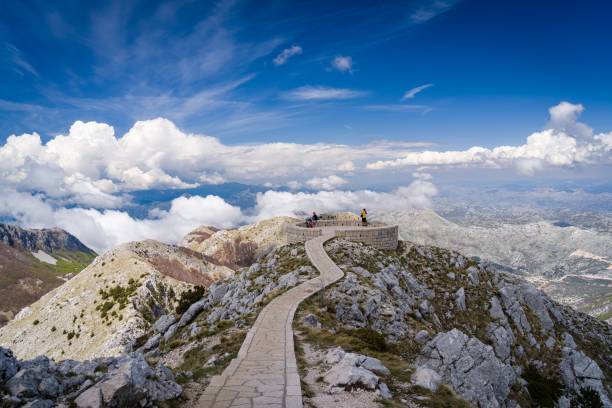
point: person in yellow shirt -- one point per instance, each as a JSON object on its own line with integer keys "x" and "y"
{"x": 364, "y": 217}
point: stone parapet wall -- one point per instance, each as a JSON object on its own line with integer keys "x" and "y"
{"x": 376, "y": 234}
{"x": 379, "y": 237}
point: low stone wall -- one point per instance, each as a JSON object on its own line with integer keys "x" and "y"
{"x": 379, "y": 237}
{"x": 376, "y": 234}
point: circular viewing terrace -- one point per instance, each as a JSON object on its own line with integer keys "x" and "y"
{"x": 376, "y": 234}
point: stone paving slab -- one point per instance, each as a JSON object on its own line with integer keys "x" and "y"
{"x": 264, "y": 374}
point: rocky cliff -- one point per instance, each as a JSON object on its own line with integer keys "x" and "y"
{"x": 47, "y": 240}
{"x": 32, "y": 262}
{"x": 239, "y": 247}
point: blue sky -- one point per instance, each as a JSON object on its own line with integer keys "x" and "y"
{"x": 495, "y": 67}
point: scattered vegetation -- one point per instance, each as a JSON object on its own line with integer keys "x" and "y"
{"x": 587, "y": 397}
{"x": 117, "y": 295}
{"x": 443, "y": 397}
{"x": 189, "y": 297}
{"x": 544, "y": 391}
{"x": 35, "y": 322}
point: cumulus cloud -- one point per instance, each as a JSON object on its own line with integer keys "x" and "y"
{"x": 411, "y": 93}
{"x": 104, "y": 229}
{"x": 314, "y": 93}
{"x": 566, "y": 143}
{"x": 91, "y": 166}
{"x": 287, "y": 53}
{"x": 326, "y": 183}
{"x": 343, "y": 63}
{"x": 418, "y": 194}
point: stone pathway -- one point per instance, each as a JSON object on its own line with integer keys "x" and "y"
{"x": 265, "y": 373}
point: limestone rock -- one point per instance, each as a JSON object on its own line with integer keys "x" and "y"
{"x": 470, "y": 367}
{"x": 91, "y": 398}
{"x": 460, "y": 299}
{"x": 422, "y": 337}
{"x": 426, "y": 378}
{"x": 348, "y": 376}
{"x": 8, "y": 364}
{"x": 162, "y": 324}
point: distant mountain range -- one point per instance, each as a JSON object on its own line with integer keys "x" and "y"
{"x": 573, "y": 265}
{"x": 33, "y": 262}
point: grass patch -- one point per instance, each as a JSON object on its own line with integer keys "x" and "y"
{"x": 195, "y": 358}
{"x": 443, "y": 397}
{"x": 71, "y": 262}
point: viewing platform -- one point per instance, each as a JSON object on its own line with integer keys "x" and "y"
{"x": 376, "y": 234}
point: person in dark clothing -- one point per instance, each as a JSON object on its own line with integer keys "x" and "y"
{"x": 315, "y": 217}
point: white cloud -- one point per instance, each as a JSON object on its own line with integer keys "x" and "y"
{"x": 313, "y": 93}
{"x": 431, "y": 10}
{"x": 423, "y": 109}
{"x": 102, "y": 230}
{"x": 326, "y": 183}
{"x": 273, "y": 203}
{"x": 294, "y": 185}
{"x": 567, "y": 143}
{"x": 343, "y": 64}
{"x": 287, "y": 53}
{"x": 346, "y": 166}
{"x": 411, "y": 93}
{"x": 90, "y": 166}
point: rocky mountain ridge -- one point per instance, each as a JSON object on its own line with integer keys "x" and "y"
{"x": 238, "y": 247}
{"x": 33, "y": 262}
{"x": 48, "y": 240}
{"x": 571, "y": 264}
{"x": 443, "y": 320}
{"x": 416, "y": 327}
{"x": 103, "y": 310}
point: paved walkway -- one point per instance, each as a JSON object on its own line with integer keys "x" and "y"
{"x": 265, "y": 372}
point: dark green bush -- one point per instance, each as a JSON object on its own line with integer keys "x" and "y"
{"x": 188, "y": 298}
{"x": 544, "y": 391}
{"x": 587, "y": 397}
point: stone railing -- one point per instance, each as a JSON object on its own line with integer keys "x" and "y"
{"x": 375, "y": 233}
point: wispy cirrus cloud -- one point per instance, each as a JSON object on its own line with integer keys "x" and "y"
{"x": 287, "y": 53}
{"x": 318, "y": 93}
{"x": 431, "y": 10}
{"x": 423, "y": 109}
{"x": 17, "y": 60}
{"x": 411, "y": 93}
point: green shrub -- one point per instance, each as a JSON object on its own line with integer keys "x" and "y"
{"x": 587, "y": 397}
{"x": 188, "y": 298}
{"x": 35, "y": 322}
{"x": 544, "y": 391}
